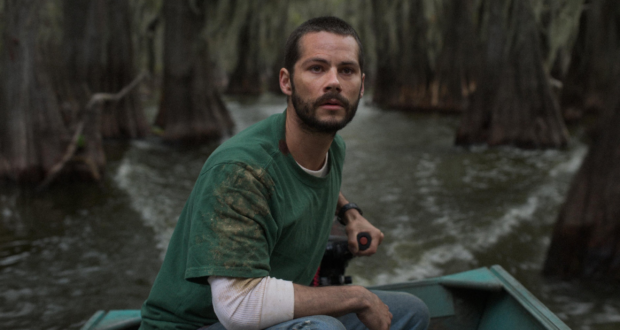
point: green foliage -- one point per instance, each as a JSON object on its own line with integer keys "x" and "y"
{"x": 81, "y": 142}
{"x": 158, "y": 131}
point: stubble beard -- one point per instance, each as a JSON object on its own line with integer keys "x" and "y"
{"x": 306, "y": 111}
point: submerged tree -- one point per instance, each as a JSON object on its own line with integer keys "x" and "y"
{"x": 426, "y": 54}
{"x": 33, "y": 136}
{"x": 38, "y": 135}
{"x": 248, "y": 35}
{"x": 279, "y": 36}
{"x": 513, "y": 103}
{"x": 594, "y": 68}
{"x": 99, "y": 59}
{"x": 191, "y": 109}
{"x": 456, "y": 64}
{"x": 586, "y": 238}
{"x": 559, "y": 22}
{"x": 246, "y": 77}
{"x": 403, "y": 69}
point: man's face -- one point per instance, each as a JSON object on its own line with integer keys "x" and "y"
{"x": 327, "y": 82}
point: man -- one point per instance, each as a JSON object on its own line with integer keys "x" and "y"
{"x": 254, "y": 229}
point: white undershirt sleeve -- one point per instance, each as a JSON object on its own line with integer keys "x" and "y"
{"x": 252, "y": 303}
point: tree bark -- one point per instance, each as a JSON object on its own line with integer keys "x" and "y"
{"x": 191, "y": 109}
{"x": 403, "y": 68}
{"x": 280, "y": 34}
{"x": 273, "y": 81}
{"x": 246, "y": 77}
{"x": 33, "y": 135}
{"x": 558, "y": 23}
{"x": 586, "y": 237}
{"x": 513, "y": 103}
{"x": 457, "y": 63}
{"x": 100, "y": 59}
{"x": 39, "y": 121}
{"x": 424, "y": 65}
{"x": 594, "y": 66}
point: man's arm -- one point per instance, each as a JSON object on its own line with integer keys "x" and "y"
{"x": 257, "y": 303}
{"x": 251, "y": 303}
{"x": 356, "y": 223}
{"x": 340, "y": 300}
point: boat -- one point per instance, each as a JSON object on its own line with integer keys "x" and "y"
{"x": 479, "y": 299}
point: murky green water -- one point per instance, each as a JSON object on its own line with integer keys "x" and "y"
{"x": 77, "y": 248}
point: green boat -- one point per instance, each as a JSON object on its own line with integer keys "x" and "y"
{"x": 480, "y": 299}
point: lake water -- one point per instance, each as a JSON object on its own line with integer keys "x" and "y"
{"x": 77, "y": 248}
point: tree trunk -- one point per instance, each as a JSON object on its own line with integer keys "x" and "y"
{"x": 586, "y": 238}
{"x": 273, "y": 77}
{"x": 33, "y": 132}
{"x": 191, "y": 109}
{"x": 100, "y": 59}
{"x": 594, "y": 66}
{"x": 424, "y": 63}
{"x": 513, "y": 103}
{"x": 457, "y": 63}
{"x": 281, "y": 33}
{"x": 403, "y": 68}
{"x": 273, "y": 81}
{"x": 558, "y": 23}
{"x": 246, "y": 78}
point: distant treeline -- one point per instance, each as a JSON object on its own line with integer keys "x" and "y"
{"x": 75, "y": 72}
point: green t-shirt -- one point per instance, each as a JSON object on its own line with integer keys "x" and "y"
{"x": 252, "y": 213}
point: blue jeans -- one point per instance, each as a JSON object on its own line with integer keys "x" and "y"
{"x": 408, "y": 313}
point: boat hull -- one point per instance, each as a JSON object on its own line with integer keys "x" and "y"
{"x": 479, "y": 299}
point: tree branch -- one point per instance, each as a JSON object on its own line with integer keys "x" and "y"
{"x": 91, "y": 106}
{"x": 103, "y": 97}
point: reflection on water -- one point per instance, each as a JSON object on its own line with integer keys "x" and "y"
{"x": 68, "y": 252}
{"x": 79, "y": 248}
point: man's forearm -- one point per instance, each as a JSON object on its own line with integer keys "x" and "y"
{"x": 341, "y": 202}
{"x": 331, "y": 300}
{"x": 352, "y": 214}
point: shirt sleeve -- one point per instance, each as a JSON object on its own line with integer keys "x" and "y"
{"x": 232, "y": 228}
{"x": 252, "y": 303}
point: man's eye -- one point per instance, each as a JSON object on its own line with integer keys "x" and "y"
{"x": 347, "y": 71}
{"x": 316, "y": 68}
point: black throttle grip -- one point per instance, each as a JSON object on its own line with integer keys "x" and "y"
{"x": 363, "y": 240}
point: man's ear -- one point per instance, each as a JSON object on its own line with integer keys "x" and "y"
{"x": 362, "y": 89}
{"x": 285, "y": 82}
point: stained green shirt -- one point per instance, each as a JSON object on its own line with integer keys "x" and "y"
{"x": 252, "y": 213}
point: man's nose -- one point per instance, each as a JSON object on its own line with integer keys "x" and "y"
{"x": 333, "y": 83}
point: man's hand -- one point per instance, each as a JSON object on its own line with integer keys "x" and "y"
{"x": 377, "y": 315}
{"x": 340, "y": 300}
{"x": 356, "y": 224}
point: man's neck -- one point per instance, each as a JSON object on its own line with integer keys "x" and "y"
{"x": 307, "y": 148}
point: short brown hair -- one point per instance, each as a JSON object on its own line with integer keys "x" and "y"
{"x": 329, "y": 24}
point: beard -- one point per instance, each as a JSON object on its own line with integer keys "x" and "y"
{"x": 306, "y": 111}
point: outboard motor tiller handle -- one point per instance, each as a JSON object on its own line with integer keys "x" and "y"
{"x": 364, "y": 240}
